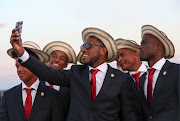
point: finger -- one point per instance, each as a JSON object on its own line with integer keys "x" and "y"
{"x": 15, "y": 35}
{"x": 13, "y": 39}
{"x": 14, "y": 30}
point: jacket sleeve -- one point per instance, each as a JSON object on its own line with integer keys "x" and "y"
{"x": 56, "y": 113}
{"x": 53, "y": 76}
{"x": 130, "y": 104}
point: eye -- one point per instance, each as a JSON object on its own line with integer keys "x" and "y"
{"x": 122, "y": 55}
{"x": 143, "y": 42}
{"x": 53, "y": 56}
{"x": 17, "y": 66}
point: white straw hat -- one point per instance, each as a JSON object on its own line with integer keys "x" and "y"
{"x": 168, "y": 45}
{"x": 106, "y": 39}
{"x": 62, "y": 46}
{"x": 43, "y": 57}
{"x": 130, "y": 44}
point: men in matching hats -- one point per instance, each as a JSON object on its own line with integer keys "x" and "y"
{"x": 31, "y": 100}
{"x": 128, "y": 59}
{"x": 61, "y": 54}
{"x": 159, "y": 89}
{"x": 98, "y": 91}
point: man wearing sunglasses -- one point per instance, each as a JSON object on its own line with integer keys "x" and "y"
{"x": 98, "y": 92}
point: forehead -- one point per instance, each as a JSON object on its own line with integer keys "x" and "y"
{"x": 16, "y": 62}
{"x": 92, "y": 39}
{"x": 149, "y": 36}
{"x": 58, "y": 52}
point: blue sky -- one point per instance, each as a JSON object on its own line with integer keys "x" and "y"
{"x": 57, "y": 20}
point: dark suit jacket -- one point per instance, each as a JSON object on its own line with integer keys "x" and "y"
{"x": 65, "y": 99}
{"x": 45, "y": 108}
{"x": 115, "y": 101}
{"x": 65, "y": 102}
{"x": 165, "y": 101}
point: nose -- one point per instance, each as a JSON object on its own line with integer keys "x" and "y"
{"x": 84, "y": 50}
{"x": 57, "y": 59}
{"x": 139, "y": 47}
{"x": 119, "y": 59}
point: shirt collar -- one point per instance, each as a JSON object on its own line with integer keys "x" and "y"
{"x": 103, "y": 67}
{"x": 159, "y": 64}
{"x": 33, "y": 86}
{"x": 142, "y": 69}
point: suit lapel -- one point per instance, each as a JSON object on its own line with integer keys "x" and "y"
{"x": 85, "y": 77}
{"x": 38, "y": 99}
{"x": 160, "y": 80}
{"x": 142, "y": 96}
{"x": 19, "y": 100}
{"x": 107, "y": 82}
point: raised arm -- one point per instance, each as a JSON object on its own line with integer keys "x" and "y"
{"x": 53, "y": 76}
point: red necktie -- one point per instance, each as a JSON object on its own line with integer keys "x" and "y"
{"x": 51, "y": 86}
{"x": 136, "y": 77}
{"x": 149, "y": 86}
{"x": 93, "y": 83}
{"x": 28, "y": 103}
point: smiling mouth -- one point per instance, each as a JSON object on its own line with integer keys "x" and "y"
{"x": 122, "y": 64}
{"x": 21, "y": 75}
{"x": 55, "y": 65}
{"x": 84, "y": 55}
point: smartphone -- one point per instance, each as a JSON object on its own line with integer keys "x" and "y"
{"x": 19, "y": 27}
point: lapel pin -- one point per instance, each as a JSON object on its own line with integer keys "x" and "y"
{"x": 112, "y": 75}
{"x": 42, "y": 93}
{"x": 164, "y": 73}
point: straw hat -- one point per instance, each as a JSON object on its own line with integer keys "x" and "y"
{"x": 168, "y": 45}
{"x": 130, "y": 44}
{"x": 43, "y": 57}
{"x": 106, "y": 39}
{"x": 62, "y": 46}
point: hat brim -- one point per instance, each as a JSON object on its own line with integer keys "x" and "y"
{"x": 62, "y": 46}
{"x": 106, "y": 39}
{"x": 43, "y": 57}
{"x": 168, "y": 45}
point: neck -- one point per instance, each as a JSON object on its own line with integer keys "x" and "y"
{"x": 96, "y": 65}
{"x": 153, "y": 61}
{"x": 137, "y": 66}
{"x": 30, "y": 82}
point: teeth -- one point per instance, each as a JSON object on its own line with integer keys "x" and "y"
{"x": 54, "y": 64}
{"x": 85, "y": 55}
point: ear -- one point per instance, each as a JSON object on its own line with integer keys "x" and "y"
{"x": 158, "y": 45}
{"x": 103, "y": 51}
{"x": 136, "y": 55}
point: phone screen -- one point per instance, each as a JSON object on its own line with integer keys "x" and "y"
{"x": 19, "y": 27}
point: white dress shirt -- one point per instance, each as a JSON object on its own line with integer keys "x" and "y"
{"x": 100, "y": 75}
{"x": 141, "y": 69}
{"x": 56, "y": 87}
{"x": 158, "y": 65}
{"x": 34, "y": 86}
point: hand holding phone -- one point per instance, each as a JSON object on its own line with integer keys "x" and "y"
{"x": 19, "y": 27}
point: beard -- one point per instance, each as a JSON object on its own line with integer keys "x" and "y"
{"x": 90, "y": 60}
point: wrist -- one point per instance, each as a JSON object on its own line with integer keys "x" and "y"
{"x": 21, "y": 53}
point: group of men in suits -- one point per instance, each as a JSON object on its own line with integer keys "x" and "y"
{"x": 57, "y": 55}
{"x": 159, "y": 82}
{"x": 31, "y": 100}
{"x": 99, "y": 92}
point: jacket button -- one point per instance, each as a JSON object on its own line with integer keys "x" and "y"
{"x": 150, "y": 117}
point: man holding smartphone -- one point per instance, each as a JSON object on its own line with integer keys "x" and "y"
{"x": 98, "y": 91}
